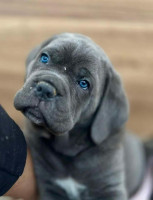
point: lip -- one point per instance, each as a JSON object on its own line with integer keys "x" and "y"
{"x": 34, "y": 115}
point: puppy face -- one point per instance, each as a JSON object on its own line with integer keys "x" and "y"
{"x": 64, "y": 83}
{"x": 69, "y": 81}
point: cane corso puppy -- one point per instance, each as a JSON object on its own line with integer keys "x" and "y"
{"x": 76, "y": 109}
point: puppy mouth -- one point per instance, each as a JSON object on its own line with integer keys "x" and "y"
{"x": 34, "y": 115}
{"x": 49, "y": 111}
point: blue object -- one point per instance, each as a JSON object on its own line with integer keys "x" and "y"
{"x": 44, "y": 58}
{"x": 84, "y": 84}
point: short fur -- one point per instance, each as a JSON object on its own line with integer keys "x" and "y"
{"x": 78, "y": 136}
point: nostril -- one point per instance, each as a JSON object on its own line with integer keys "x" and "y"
{"x": 39, "y": 88}
{"x": 45, "y": 91}
{"x": 49, "y": 95}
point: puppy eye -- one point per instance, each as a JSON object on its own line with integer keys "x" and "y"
{"x": 84, "y": 84}
{"x": 44, "y": 58}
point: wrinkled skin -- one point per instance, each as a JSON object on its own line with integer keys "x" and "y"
{"x": 61, "y": 113}
{"x": 76, "y": 132}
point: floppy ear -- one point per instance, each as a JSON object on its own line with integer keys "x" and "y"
{"x": 113, "y": 109}
{"x": 32, "y": 54}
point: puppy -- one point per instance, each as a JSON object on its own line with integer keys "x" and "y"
{"x": 76, "y": 109}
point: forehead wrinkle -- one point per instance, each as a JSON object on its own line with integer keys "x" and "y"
{"x": 54, "y": 53}
{"x": 63, "y": 43}
{"x": 72, "y": 52}
{"x": 84, "y": 53}
{"x": 62, "y": 51}
{"x": 85, "y": 72}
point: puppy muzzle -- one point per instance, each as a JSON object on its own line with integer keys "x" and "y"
{"x": 45, "y": 91}
{"x": 45, "y": 100}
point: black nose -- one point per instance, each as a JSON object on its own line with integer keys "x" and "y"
{"x": 45, "y": 91}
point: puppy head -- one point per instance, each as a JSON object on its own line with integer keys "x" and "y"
{"x": 69, "y": 79}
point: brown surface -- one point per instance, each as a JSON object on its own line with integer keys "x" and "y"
{"x": 123, "y": 28}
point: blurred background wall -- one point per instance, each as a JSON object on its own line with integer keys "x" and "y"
{"x": 123, "y": 28}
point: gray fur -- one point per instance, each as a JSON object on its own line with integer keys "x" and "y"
{"x": 79, "y": 134}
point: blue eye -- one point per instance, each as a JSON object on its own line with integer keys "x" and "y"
{"x": 44, "y": 58}
{"x": 84, "y": 84}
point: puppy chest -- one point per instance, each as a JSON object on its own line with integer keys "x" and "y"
{"x": 72, "y": 188}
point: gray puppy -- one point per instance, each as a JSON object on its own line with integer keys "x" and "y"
{"x": 76, "y": 109}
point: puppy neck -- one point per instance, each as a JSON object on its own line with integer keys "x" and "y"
{"x": 72, "y": 143}
{"x": 69, "y": 144}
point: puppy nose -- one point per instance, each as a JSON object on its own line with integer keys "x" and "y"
{"x": 45, "y": 91}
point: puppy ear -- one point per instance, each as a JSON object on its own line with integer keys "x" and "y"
{"x": 113, "y": 109}
{"x": 32, "y": 54}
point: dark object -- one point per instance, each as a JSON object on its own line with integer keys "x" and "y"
{"x": 13, "y": 152}
{"x": 45, "y": 91}
{"x": 79, "y": 145}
